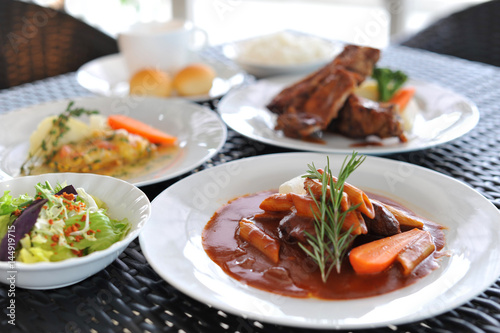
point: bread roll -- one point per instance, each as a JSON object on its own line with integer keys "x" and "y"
{"x": 151, "y": 82}
{"x": 194, "y": 79}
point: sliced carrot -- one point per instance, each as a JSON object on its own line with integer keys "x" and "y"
{"x": 134, "y": 126}
{"x": 402, "y": 97}
{"x": 260, "y": 240}
{"x": 376, "y": 256}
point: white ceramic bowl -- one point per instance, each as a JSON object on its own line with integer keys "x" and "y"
{"x": 270, "y": 62}
{"x": 123, "y": 200}
{"x": 261, "y": 71}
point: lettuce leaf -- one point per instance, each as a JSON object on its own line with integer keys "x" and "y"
{"x": 8, "y": 205}
{"x": 34, "y": 254}
{"x": 61, "y": 253}
{"x": 107, "y": 232}
{"x": 5, "y": 222}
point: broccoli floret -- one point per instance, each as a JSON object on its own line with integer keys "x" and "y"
{"x": 388, "y": 82}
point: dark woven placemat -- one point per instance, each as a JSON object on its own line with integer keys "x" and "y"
{"x": 128, "y": 296}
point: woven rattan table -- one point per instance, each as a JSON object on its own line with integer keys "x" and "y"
{"x": 128, "y": 296}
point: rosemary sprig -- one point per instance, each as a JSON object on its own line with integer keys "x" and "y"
{"x": 330, "y": 244}
{"x": 59, "y": 128}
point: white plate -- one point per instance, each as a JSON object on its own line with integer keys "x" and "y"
{"x": 108, "y": 76}
{"x": 444, "y": 116}
{"x": 172, "y": 245}
{"x": 199, "y": 130}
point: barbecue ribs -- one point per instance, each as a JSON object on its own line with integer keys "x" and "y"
{"x": 318, "y": 102}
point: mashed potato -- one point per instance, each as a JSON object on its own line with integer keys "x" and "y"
{"x": 294, "y": 185}
{"x": 77, "y": 131}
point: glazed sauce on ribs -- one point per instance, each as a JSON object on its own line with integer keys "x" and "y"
{"x": 296, "y": 274}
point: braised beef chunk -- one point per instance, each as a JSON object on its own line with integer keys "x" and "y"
{"x": 292, "y": 228}
{"x": 361, "y": 117}
{"x": 384, "y": 223}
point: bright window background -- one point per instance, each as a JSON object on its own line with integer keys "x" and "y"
{"x": 243, "y": 19}
{"x": 371, "y": 22}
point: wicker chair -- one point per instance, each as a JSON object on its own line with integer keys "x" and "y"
{"x": 473, "y": 34}
{"x": 38, "y": 42}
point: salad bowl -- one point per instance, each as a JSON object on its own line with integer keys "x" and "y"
{"x": 122, "y": 199}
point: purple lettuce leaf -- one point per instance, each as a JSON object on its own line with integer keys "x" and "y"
{"x": 68, "y": 189}
{"x": 22, "y": 225}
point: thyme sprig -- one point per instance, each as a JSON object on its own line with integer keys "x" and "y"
{"x": 330, "y": 244}
{"x": 46, "y": 150}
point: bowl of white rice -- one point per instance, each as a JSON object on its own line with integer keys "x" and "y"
{"x": 282, "y": 53}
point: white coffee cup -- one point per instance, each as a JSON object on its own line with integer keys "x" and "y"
{"x": 162, "y": 45}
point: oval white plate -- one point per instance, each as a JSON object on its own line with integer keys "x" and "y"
{"x": 172, "y": 245}
{"x": 200, "y": 132}
{"x": 444, "y": 116}
{"x": 109, "y": 76}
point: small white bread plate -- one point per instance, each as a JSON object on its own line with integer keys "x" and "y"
{"x": 172, "y": 242}
{"x": 123, "y": 200}
{"x": 108, "y": 76}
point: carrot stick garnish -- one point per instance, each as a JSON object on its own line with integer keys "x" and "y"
{"x": 402, "y": 97}
{"x": 134, "y": 126}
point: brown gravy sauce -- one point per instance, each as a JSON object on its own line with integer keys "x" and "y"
{"x": 296, "y": 274}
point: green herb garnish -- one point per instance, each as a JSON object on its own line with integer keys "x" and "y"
{"x": 388, "y": 82}
{"x": 330, "y": 244}
{"x": 59, "y": 128}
